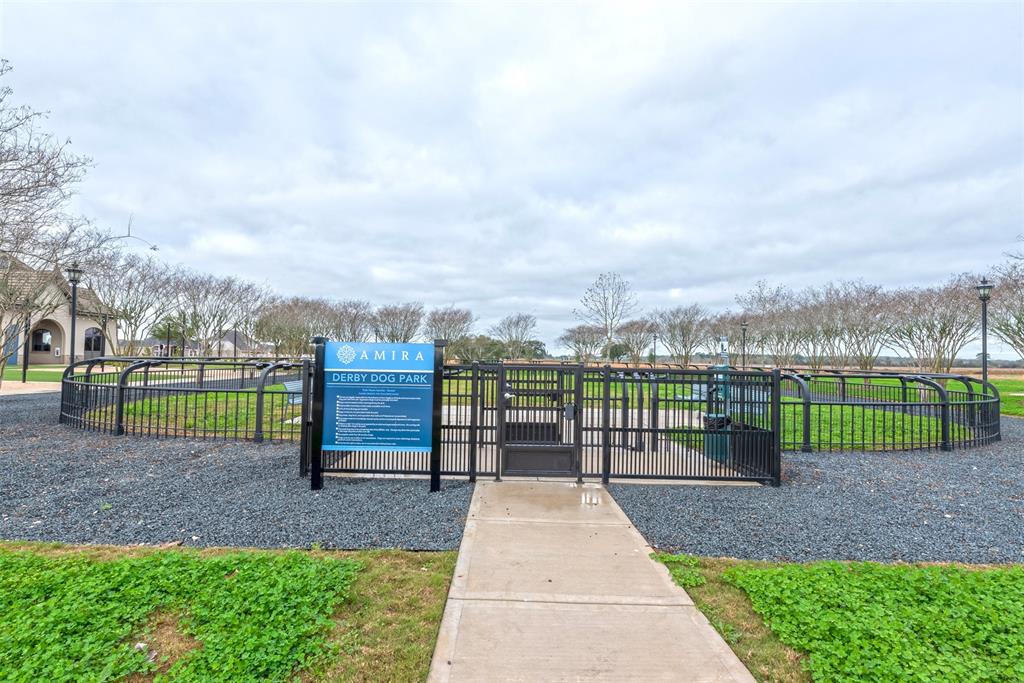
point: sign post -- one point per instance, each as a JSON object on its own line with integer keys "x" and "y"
{"x": 316, "y": 438}
{"x": 377, "y": 398}
{"x": 435, "y": 442}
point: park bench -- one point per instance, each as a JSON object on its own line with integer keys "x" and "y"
{"x": 294, "y": 388}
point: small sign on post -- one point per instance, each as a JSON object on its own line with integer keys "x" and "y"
{"x": 376, "y": 397}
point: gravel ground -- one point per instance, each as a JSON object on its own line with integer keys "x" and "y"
{"x": 961, "y": 506}
{"x": 62, "y": 484}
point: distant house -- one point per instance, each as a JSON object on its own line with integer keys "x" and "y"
{"x": 50, "y": 329}
{"x": 151, "y": 346}
{"x": 222, "y": 346}
{"x": 236, "y": 343}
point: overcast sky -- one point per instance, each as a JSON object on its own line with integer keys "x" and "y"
{"x": 501, "y": 157}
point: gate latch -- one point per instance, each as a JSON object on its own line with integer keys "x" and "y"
{"x": 569, "y": 410}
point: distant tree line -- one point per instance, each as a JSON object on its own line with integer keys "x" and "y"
{"x": 842, "y": 324}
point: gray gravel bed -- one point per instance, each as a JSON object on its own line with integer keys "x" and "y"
{"x": 959, "y": 506}
{"x": 63, "y": 484}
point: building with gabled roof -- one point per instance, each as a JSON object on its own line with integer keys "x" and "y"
{"x": 49, "y": 328}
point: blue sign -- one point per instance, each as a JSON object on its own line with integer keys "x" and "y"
{"x": 378, "y": 397}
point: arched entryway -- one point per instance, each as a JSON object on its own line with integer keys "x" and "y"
{"x": 95, "y": 343}
{"x": 46, "y": 343}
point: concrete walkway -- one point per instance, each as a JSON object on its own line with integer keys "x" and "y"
{"x": 554, "y": 584}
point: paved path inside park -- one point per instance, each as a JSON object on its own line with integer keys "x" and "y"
{"x": 553, "y": 583}
{"x": 13, "y": 387}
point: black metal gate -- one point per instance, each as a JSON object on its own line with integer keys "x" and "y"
{"x": 589, "y": 422}
{"x": 538, "y": 430}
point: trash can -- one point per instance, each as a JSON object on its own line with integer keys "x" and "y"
{"x": 716, "y": 436}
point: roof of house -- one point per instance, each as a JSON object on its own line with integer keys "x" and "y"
{"x": 25, "y": 281}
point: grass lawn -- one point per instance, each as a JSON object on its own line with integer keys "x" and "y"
{"x": 853, "y": 426}
{"x": 832, "y": 621}
{"x": 1009, "y": 404}
{"x": 35, "y": 374}
{"x": 76, "y": 613}
{"x": 219, "y": 412}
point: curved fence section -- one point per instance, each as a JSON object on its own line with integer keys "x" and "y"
{"x": 219, "y": 398}
{"x": 837, "y": 411}
{"x": 621, "y": 410}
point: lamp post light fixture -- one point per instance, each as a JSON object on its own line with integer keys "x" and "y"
{"x": 984, "y": 294}
{"x": 743, "y": 344}
{"x": 655, "y": 348}
{"x": 74, "y": 274}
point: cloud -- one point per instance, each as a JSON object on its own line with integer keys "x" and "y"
{"x": 500, "y": 157}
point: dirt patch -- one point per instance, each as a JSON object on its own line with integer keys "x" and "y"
{"x": 163, "y": 643}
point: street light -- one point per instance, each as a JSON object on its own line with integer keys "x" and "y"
{"x": 74, "y": 277}
{"x": 743, "y": 345}
{"x": 655, "y": 348}
{"x": 984, "y": 294}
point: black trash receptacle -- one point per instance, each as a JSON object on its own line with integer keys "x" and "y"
{"x": 716, "y": 436}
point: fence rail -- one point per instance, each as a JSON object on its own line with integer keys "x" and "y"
{"x": 644, "y": 423}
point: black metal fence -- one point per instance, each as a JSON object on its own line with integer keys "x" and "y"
{"x": 838, "y": 411}
{"x": 502, "y": 419}
{"x": 584, "y": 421}
{"x": 253, "y": 399}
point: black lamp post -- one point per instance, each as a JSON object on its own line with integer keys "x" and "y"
{"x": 743, "y": 344}
{"x": 28, "y": 340}
{"x": 984, "y": 294}
{"x": 655, "y": 348}
{"x": 74, "y": 277}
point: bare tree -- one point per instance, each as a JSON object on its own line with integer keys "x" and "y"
{"x": 38, "y": 235}
{"x": 251, "y": 298}
{"x": 1007, "y": 309}
{"x": 933, "y": 324}
{"x": 636, "y": 336}
{"x": 139, "y": 291}
{"x": 776, "y": 331}
{"x": 289, "y": 324}
{"x": 728, "y": 325}
{"x": 515, "y": 331}
{"x": 585, "y": 341}
{"x": 397, "y": 323}
{"x": 683, "y": 330}
{"x": 451, "y": 324}
{"x": 607, "y": 303}
{"x": 865, "y": 324}
{"x": 353, "y": 320}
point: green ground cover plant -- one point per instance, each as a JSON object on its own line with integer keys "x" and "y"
{"x": 257, "y": 615}
{"x": 874, "y": 622}
{"x": 863, "y": 621}
{"x": 75, "y": 613}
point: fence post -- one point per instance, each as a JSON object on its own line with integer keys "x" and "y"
{"x": 944, "y": 416}
{"x": 304, "y": 433}
{"x": 655, "y": 412}
{"x": 257, "y": 434}
{"x": 435, "y": 434}
{"x": 805, "y": 395}
{"x": 777, "y": 427}
{"x": 499, "y": 422}
{"x": 474, "y": 426}
{"x": 122, "y": 384}
{"x": 606, "y": 426}
{"x": 316, "y": 476}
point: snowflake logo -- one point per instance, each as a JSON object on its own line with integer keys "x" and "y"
{"x": 346, "y": 354}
